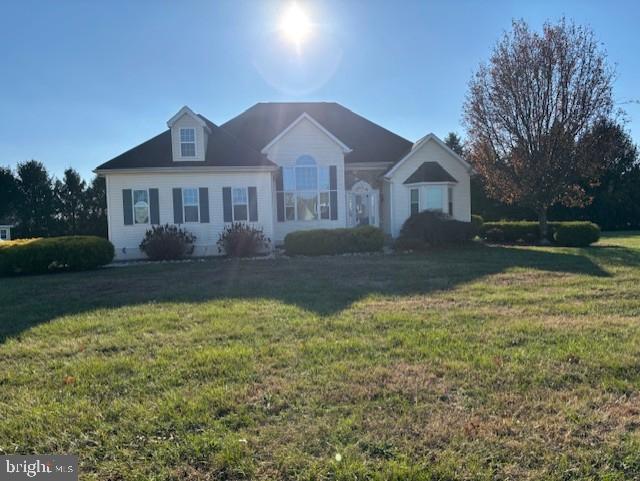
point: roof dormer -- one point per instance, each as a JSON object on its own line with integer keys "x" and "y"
{"x": 189, "y": 135}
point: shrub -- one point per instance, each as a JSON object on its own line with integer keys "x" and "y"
{"x": 513, "y": 231}
{"x": 167, "y": 242}
{"x": 528, "y": 232}
{"x": 576, "y": 234}
{"x": 477, "y": 222}
{"x": 42, "y": 255}
{"x": 434, "y": 229}
{"x": 494, "y": 235}
{"x": 242, "y": 240}
{"x": 334, "y": 241}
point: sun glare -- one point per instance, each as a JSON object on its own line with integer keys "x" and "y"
{"x": 295, "y": 25}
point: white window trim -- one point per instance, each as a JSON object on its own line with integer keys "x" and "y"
{"x": 133, "y": 207}
{"x": 417, "y": 189}
{"x": 184, "y": 205}
{"x": 318, "y": 190}
{"x": 423, "y": 198}
{"x": 195, "y": 143}
{"x": 6, "y": 234}
{"x": 233, "y": 203}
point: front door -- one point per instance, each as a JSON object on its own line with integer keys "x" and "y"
{"x": 362, "y": 205}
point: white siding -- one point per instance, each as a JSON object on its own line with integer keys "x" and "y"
{"x": 128, "y": 237}
{"x": 305, "y": 138}
{"x": 430, "y": 151}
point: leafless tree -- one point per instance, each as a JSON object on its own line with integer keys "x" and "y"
{"x": 528, "y": 109}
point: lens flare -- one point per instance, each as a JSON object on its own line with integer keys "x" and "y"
{"x": 295, "y": 25}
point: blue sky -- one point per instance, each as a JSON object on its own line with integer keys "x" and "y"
{"x": 82, "y": 81}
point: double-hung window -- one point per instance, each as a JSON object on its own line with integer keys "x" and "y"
{"x": 141, "y": 206}
{"x": 306, "y": 191}
{"x": 240, "y": 199}
{"x": 3, "y": 234}
{"x": 188, "y": 142}
{"x": 415, "y": 201}
{"x": 190, "y": 205}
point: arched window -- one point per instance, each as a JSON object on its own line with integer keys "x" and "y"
{"x": 306, "y": 190}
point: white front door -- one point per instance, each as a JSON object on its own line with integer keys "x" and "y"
{"x": 362, "y": 205}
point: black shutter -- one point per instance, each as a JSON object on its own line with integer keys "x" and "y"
{"x": 154, "y": 206}
{"x": 253, "y": 204}
{"x": 127, "y": 206}
{"x": 177, "y": 205}
{"x": 226, "y": 204}
{"x": 333, "y": 195}
{"x": 279, "y": 196}
{"x": 204, "y": 204}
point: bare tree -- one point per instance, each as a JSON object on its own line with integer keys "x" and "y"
{"x": 528, "y": 109}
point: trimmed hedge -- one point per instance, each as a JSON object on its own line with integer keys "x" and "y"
{"x": 319, "y": 242}
{"x": 577, "y": 233}
{"x": 432, "y": 229}
{"x": 53, "y": 254}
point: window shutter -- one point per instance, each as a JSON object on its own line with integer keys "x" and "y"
{"x": 253, "y": 204}
{"x": 204, "y": 204}
{"x": 279, "y": 196}
{"x": 127, "y": 206}
{"x": 177, "y": 205}
{"x": 226, "y": 204}
{"x": 333, "y": 195}
{"x": 154, "y": 207}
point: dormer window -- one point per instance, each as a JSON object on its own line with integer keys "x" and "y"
{"x": 187, "y": 142}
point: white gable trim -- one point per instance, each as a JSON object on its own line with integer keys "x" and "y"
{"x": 306, "y": 116}
{"x": 419, "y": 144}
{"x": 187, "y": 111}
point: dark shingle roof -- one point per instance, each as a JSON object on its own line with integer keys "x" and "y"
{"x": 430, "y": 172}
{"x": 239, "y": 141}
{"x": 222, "y": 150}
{"x": 369, "y": 142}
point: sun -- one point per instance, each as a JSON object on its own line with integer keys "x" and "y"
{"x": 295, "y": 25}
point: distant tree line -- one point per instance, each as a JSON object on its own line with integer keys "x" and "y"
{"x": 612, "y": 200}
{"x": 39, "y": 205}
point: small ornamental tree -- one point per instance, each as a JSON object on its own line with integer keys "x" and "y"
{"x": 528, "y": 111}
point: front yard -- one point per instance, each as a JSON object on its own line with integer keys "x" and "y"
{"x": 482, "y": 363}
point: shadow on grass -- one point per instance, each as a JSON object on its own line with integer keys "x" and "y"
{"x": 324, "y": 285}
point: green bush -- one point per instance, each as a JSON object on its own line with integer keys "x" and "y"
{"x": 242, "y": 240}
{"x": 528, "y": 232}
{"x": 433, "y": 229}
{"x": 512, "y": 231}
{"x": 334, "y": 241}
{"x": 576, "y": 234}
{"x": 42, "y": 255}
{"x": 167, "y": 242}
{"x": 477, "y": 222}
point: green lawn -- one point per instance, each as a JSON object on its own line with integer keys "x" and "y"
{"x": 484, "y": 363}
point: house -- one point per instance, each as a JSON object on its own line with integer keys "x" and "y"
{"x": 5, "y": 231}
{"x": 283, "y": 167}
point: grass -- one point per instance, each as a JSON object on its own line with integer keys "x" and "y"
{"x": 481, "y": 363}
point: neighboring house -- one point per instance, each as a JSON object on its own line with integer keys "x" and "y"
{"x": 5, "y": 232}
{"x": 283, "y": 167}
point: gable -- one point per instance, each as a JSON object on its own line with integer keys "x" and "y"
{"x": 430, "y": 151}
{"x": 305, "y": 137}
{"x": 369, "y": 142}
